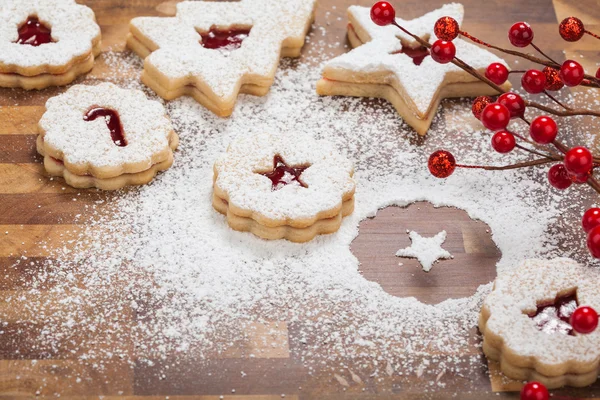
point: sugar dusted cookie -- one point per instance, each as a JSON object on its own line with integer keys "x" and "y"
{"x": 279, "y": 186}
{"x": 525, "y": 323}
{"x": 213, "y": 51}
{"x": 387, "y": 63}
{"x": 106, "y": 137}
{"x": 46, "y": 42}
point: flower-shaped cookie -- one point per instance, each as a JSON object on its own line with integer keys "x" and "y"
{"x": 46, "y": 42}
{"x": 283, "y": 186}
{"x": 525, "y": 323}
{"x": 105, "y": 136}
{"x": 215, "y": 50}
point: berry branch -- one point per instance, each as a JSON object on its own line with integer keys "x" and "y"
{"x": 570, "y": 165}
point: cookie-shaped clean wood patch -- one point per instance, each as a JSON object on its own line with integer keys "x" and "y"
{"x": 469, "y": 241}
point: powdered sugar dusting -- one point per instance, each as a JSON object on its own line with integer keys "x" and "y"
{"x": 184, "y": 284}
{"x": 426, "y": 250}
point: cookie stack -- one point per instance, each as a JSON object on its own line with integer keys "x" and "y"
{"x": 105, "y": 137}
{"x": 213, "y": 51}
{"x": 389, "y": 64}
{"x": 526, "y": 326}
{"x": 46, "y": 42}
{"x": 283, "y": 187}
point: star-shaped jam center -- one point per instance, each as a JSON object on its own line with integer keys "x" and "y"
{"x": 34, "y": 33}
{"x": 113, "y": 122}
{"x": 554, "y": 317}
{"x": 226, "y": 40}
{"x": 417, "y": 54}
{"x": 284, "y": 174}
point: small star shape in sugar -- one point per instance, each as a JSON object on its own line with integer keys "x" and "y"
{"x": 427, "y": 250}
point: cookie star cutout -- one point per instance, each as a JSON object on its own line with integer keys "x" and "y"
{"x": 426, "y": 250}
{"x": 389, "y": 64}
{"x": 213, "y": 51}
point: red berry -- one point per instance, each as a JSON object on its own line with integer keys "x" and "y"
{"x": 495, "y": 116}
{"x": 520, "y": 34}
{"x": 579, "y": 179}
{"x": 559, "y": 177}
{"x": 514, "y": 103}
{"x": 578, "y": 161}
{"x": 543, "y": 130}
{"x": 571, "y": 29}
{"x": 503, "y": 142}
{"x": 442, "y": 51}
{"x": 571, "y": 73}
{"x": 593, "y": 242}
{"x": 598, "y": 73}
{"x": 533, "y": 81}
{"x": 382, "y": 13}
{"x": 591, "y": 219}
{"x": 446, "y": 28}
{"x": 497, "y": 73}
{"x": 441, "y": 164}
{"x": 584, "y": 320}
{"x": 479, "y": 104}
{"x": 553, "y": 81}
{"x": 534, "y": 391}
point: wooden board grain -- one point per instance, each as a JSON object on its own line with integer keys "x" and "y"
{"x": 38, "y": 214}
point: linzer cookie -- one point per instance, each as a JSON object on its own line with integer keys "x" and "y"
{"x": 525, "y": 323}
{"x": 283, "y": 186}
{"x": 389, "y": 64}
{"x": 213, "y": 51}
{"x": 106, "y": 137}
{"x": 46, "y": 42}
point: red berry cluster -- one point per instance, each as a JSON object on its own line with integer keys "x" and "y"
{"x": 571, "y": 73}
{"x": 446, "y": 29}
{"x": 575, "y": 165}
{"x": 578, "y": 162}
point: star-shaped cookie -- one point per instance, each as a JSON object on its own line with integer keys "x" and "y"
{"x": 389, "y": 64}
{"x": 247, "y": 39}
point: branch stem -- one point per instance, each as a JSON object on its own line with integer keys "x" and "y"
{"x": 507, "y": 167}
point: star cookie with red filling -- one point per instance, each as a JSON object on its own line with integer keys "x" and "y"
{"x": 525, "y": 323}
{"x": 283, "y": 186}
{"x": 213, "y": 51}
{"x": 105, "y": 137}
{"x": 46, "y": 42}
{"x": 389, "y": 64}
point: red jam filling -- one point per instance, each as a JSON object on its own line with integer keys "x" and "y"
{"x": 284, "y": 174}
{"x": 113, "y": 122}
{"x": 224, "y": 39}
{"x": 34, "y": 33}
{"x": 554, "y": 318}
{"x": 417, "y": 54}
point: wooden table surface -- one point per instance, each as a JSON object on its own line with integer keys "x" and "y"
{"x": 34, "y": 208}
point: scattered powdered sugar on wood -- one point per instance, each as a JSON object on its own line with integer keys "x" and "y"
{"x": 158, "y": 275}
